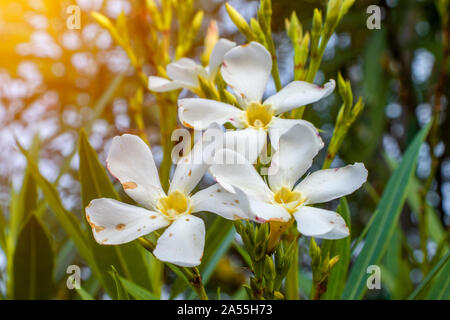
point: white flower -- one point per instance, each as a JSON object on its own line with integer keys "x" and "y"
{"x": 281, "y": 198}
{"x": 184, "y": 72}
{"x": 113, "y": 222}
{"x": 247, "y": 69}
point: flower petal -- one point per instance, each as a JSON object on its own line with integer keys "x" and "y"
{"x": 320, "y": 223}
{"x": 297, "y": 94}
{"x": 182, "y": 243}
{"x": 280, "y": 126}
{"x": 247, "y": 69}
{"x": 297, "y": 148}
{"x": 114, "y": 222}
{"x": 192, "y": 167}
{"x": 326, "y": 185}
{"x": 201, "y": 113}
{"x": 159, "y": 84}
{"x": 265, "y": 212}
{"x": 248, "y": 142}
{"x": 185, "y": 71}
{"x": 232, "y": 169}
{"x": 131, "y": 161}
{"x": 216, "y": 199}
{"x": 220, "y": 49}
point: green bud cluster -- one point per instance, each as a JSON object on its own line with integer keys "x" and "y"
{"x": 348, "y": 113}
{"x": 321, "y": 265}
{"x": 269, "y": 269}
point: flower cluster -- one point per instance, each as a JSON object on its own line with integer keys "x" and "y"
{"x": 240, "y": 191}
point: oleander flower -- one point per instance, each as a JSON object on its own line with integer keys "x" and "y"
{"x": 281, "y": 199}
{"x": 184, "y": 72}
{"x": 247, "y": 70}
{"x": 114, "y": 222}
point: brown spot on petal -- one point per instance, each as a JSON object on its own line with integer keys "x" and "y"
{"x": 190, "y": 173}
{"x": 120, "y": 226}
{"x": 245, "y": 45}
{"x": 153, "y": 217}
{"x": 93, "y": 226}
{"x": 236, "y": 201}
{"x": 187, "y": 219}
{"x": 170, "y": 235}
{"x": 98, "y": 228}
{"x": 104, "y": 240}
{"x": 187, "y": 125}
{"x": 129, "y": 185}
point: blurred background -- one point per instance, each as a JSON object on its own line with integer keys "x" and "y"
{"x": 54, "y": 81}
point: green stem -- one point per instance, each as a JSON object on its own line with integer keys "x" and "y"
{"x": 292, "y": 285}
{"x": 276, "y": 73}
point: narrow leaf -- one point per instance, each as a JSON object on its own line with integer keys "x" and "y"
{"x": 122, "y": 293}
{"x": 137, "y": 291}
{"x": 385, "y": 221}
{"x": 84, "y": 294}
{"x": 33, "y": 263}
{"x": 341, "y": 248}
{"x": 423, "y": 285}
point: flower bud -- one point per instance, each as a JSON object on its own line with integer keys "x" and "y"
{"x": 240, "y": 22}
{"x": 212, "y": 36}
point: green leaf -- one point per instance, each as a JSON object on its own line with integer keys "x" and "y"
{"x": 33, "y": 263}
{"x": 425, "y": 282}
{"x": 218, "y": 240}
{"x": 84, "y": 294}
{"x": 375, "y": 90}
{"x": 67, "y": 219}
{"x": 26, "y": 205}
{"x": 440, "y": 287}
{"x": 130, "y": 260}
{"x": 122, "y": 293}
{"x": 66, "y": 254}
{"x": 435, "y": 229}
{"x": 137, "y": 291}
{"x": 385, "y": 221}
{"x": 340, "y": 247}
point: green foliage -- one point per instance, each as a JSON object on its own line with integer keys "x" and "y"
{"x": 340, "y": 248}
{"x": 135, "y": 290}
{"x": 385, "y": 221}
{"x": 33, "y": 262}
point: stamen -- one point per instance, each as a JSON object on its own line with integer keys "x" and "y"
{"x": 289, "y": 199}
{"x": 174, "y": 205}
{"x": 258, "y": 115}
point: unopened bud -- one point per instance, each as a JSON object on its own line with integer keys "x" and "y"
{"x": 240, "y": 22}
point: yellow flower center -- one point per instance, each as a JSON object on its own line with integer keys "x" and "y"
{"x": 174, "y": 205}
{"x": 258, "y": 115}
{"x": 290, "y": 200}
